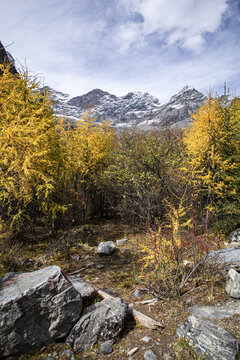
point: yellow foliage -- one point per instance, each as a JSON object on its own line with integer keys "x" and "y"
{"x": 212, "y": 146}
{"x": 30, "y": 156}
{"x": 170, "y": 258}
{"x": 199, "y": 138}
{"x": 88, "y": 145}
{"x": 163, "y": 257}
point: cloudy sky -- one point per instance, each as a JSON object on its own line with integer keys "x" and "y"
{"x": 155, "y": 46}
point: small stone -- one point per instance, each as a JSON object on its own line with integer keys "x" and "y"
{"x": 131, "y": 305}
{"x": 234, "y": 236}
{"x": 106, "y": 248}
{"x": 76, "y": 257}
{"x": 68, "y": 354}
{"x": 146, "y": 339}
{"x": 133, "y": 351}
{"x": 54, "y": 354}
{"x": 106, "y": 348}
{"x": 233, "y": 284}
{"x": 138, "y": 293}
{"x": 100, "y": 266}
{"x": 87, "y": 257}
{"x": 167, "y": 356}
{"x": 149, "y": 355}
{"x": 121, "y": 242}
{"x": 110, "y": 292}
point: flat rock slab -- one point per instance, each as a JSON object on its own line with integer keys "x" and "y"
{"x": 229, "y": 257}
{"x": 36, "y": 308}
{"x": 209, "y": 339}
{"x": 86, "y": 290}
{"x": 217, "y": 312}
{"x": 99, "y": 323}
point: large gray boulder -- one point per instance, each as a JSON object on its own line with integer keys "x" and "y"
{"x": 99, "y": 323}
{"x": 36, "y": 308}
{"x": 233, "y": 284}
{"x": 106, "y": 248}
{"x": 209, "y": 339}
{"x": 206, "y": 335}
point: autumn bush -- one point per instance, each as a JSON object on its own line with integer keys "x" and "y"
{"x": 173, "y": 258}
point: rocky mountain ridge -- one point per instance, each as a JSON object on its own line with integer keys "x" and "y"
{"x": 141, "y": 110}
{"x": 137, "y": 109}
{"x": 6, "y": 58}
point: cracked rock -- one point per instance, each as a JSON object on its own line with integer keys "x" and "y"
{"x": 101, "y": 322}
{"x": 36, "y": 308}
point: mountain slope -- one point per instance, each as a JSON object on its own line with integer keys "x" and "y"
{"x": 134, "y": 109}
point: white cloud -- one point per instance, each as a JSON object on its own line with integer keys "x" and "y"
{"x": 183, "y": 22}
{"x": 124, "y": 45}
{"x": 127, "y": 34}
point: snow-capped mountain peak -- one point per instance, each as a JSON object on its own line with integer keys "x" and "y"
{"x": 134, "y": 109}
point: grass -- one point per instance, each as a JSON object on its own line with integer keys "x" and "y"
{"x": 186, "y": 351}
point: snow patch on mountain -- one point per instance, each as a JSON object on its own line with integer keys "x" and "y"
{"x": 141, "y": 110}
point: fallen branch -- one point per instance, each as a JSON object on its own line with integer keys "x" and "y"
{"x": 78, "y": 271}
{"x": 138, "y": 316}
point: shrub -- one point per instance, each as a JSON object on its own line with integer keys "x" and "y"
{"x": 172, "y": 257}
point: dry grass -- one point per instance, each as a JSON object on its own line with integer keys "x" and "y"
{"x": 120, "y": 274}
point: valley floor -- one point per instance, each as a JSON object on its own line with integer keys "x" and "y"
{"x": 76, "y": 250}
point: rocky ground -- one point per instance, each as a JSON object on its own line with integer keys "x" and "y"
{"x": 117, "y": 274}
